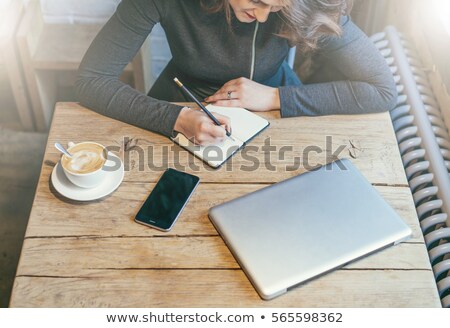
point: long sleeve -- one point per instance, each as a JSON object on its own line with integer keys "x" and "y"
{"x": 98, "y": 86}
{"x": 365, "y": 85}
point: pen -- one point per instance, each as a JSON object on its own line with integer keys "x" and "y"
{"x": 211, "y": 116}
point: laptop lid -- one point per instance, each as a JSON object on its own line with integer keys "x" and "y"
{"x": 295, "y": 230}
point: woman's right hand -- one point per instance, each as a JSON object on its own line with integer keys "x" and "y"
{"x": 200, "y": 129}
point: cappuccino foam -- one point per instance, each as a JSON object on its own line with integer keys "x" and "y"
{"x": 86, "y": 158}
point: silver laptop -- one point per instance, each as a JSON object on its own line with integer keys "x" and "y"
{"x": 298, "y": 229}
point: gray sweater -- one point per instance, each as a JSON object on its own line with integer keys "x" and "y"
{"x": 353, "y": 77}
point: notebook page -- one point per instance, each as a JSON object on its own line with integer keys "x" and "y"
{"x": 244, "y": 123}
{"x": 214, "y": 155}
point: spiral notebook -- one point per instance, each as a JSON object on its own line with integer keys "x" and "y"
{"x": 245, "y": 126}
{"x": 296, "y": 230}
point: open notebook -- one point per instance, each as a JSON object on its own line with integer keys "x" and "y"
{"x": 245, "y": 125}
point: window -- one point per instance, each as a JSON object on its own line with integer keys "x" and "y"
{"x": 442, "y": 7}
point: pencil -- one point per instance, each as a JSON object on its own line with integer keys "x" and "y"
{"x": 203, "y": 108}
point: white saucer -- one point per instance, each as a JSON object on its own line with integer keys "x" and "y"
{"x": 110, "y": 183}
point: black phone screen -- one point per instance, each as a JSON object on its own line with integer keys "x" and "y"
{"x": 167, "y": 199}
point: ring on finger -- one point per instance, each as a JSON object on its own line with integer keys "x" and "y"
{"x": 229, "y": 95}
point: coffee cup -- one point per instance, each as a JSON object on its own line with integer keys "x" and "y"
{"x": 85, "y": 168}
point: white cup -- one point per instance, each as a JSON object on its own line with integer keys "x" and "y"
{"x": 89, "y": 179}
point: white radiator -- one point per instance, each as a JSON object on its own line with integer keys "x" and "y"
{"x": 424, "y": 144}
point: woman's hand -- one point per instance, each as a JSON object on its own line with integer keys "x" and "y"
{"x": 200, "y": 129}
{"x": 246, "y": 93}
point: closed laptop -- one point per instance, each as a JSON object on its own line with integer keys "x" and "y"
{"x": 303, "y": 227}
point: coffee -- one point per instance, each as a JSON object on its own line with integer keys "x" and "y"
{"x": 86, "y": 158}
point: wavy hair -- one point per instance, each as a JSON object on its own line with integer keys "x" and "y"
{"x": 303, "y": 22}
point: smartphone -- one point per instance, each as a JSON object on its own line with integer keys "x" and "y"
{"x": 167, "y": 200}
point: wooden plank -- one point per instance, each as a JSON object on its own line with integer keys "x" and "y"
{"x": 225, "y": 288}
{"x": 66, "y": 257}
{"x": 53, "y": 215}
{"x": 378, "y": 161}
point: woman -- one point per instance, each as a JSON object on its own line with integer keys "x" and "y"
{"x": 232, "y": 53}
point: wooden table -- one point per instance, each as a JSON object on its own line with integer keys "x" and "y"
{"x": 94, "y": 255}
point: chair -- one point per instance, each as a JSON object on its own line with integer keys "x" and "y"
{"x": 9, "y": 22}
{"x": 52, "y": 52}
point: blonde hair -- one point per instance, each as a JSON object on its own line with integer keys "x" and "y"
{"x": 304, "y": 22}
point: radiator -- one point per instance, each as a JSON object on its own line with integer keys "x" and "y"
{"x": 424, "y": 145}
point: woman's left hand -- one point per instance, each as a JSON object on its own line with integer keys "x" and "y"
{"x": 246, "y": 93}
